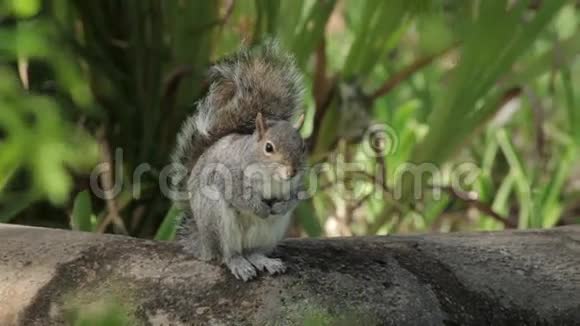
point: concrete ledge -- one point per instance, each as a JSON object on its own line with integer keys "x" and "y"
{"x": 501, "y": 278}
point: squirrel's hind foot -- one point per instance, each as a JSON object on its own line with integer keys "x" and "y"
{"x": 241, "y": 268}
{"x": 272, "y": 265}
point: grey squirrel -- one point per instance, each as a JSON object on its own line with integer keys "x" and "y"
{"x": 243, "y": 161}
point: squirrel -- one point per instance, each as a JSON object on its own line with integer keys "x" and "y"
{"x": 243, "y": 161}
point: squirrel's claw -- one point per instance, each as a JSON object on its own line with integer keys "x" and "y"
{"x": 241, "y": 268}
{"x": 272, "y": 265}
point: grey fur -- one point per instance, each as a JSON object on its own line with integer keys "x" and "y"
{"x": 262, "y": 80}
{"x": 236, "y": 208}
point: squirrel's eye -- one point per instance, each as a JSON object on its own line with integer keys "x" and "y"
{"x": 269, "y": 147}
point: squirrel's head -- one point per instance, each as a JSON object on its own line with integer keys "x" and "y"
{"x": 280, "y": 146}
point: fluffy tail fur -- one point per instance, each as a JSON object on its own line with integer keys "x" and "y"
{"x": 260, "y": 80}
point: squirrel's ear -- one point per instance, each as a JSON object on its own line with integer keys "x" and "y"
{"x": 260, "y": 125}
{"x": 298, "y": 124}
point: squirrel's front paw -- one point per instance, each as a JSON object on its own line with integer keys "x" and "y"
{"x": 272, "y": 265}
{"x": 263, "y": 210}
{"x": 241, "y": 268}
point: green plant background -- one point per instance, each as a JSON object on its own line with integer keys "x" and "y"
{"x": 493, "y": 83}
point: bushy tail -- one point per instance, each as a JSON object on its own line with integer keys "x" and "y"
{"x": 263, "y": 80}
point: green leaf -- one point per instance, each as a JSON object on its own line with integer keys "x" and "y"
{"x": 82, "y": 218}
{"x": 492, "y": 41}
{"x": 13, "y": 204}
{"x": 306, "y": 215}
{"x": 312, "y": 30}
{"x": 573, "y": 111}
{"x": 435, "y": 208}
{"x": 26, "y": 8}
{"x": 523, "y": 184}
{"x": 168, "y": 227}
{"x": 548, "y": 200}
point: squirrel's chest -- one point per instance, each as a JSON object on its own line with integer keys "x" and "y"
{"x": 256, "y": 232}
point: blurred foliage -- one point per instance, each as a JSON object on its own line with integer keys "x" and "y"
{"x": 104, "y": 312}
{"x": 489, "y": 83}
